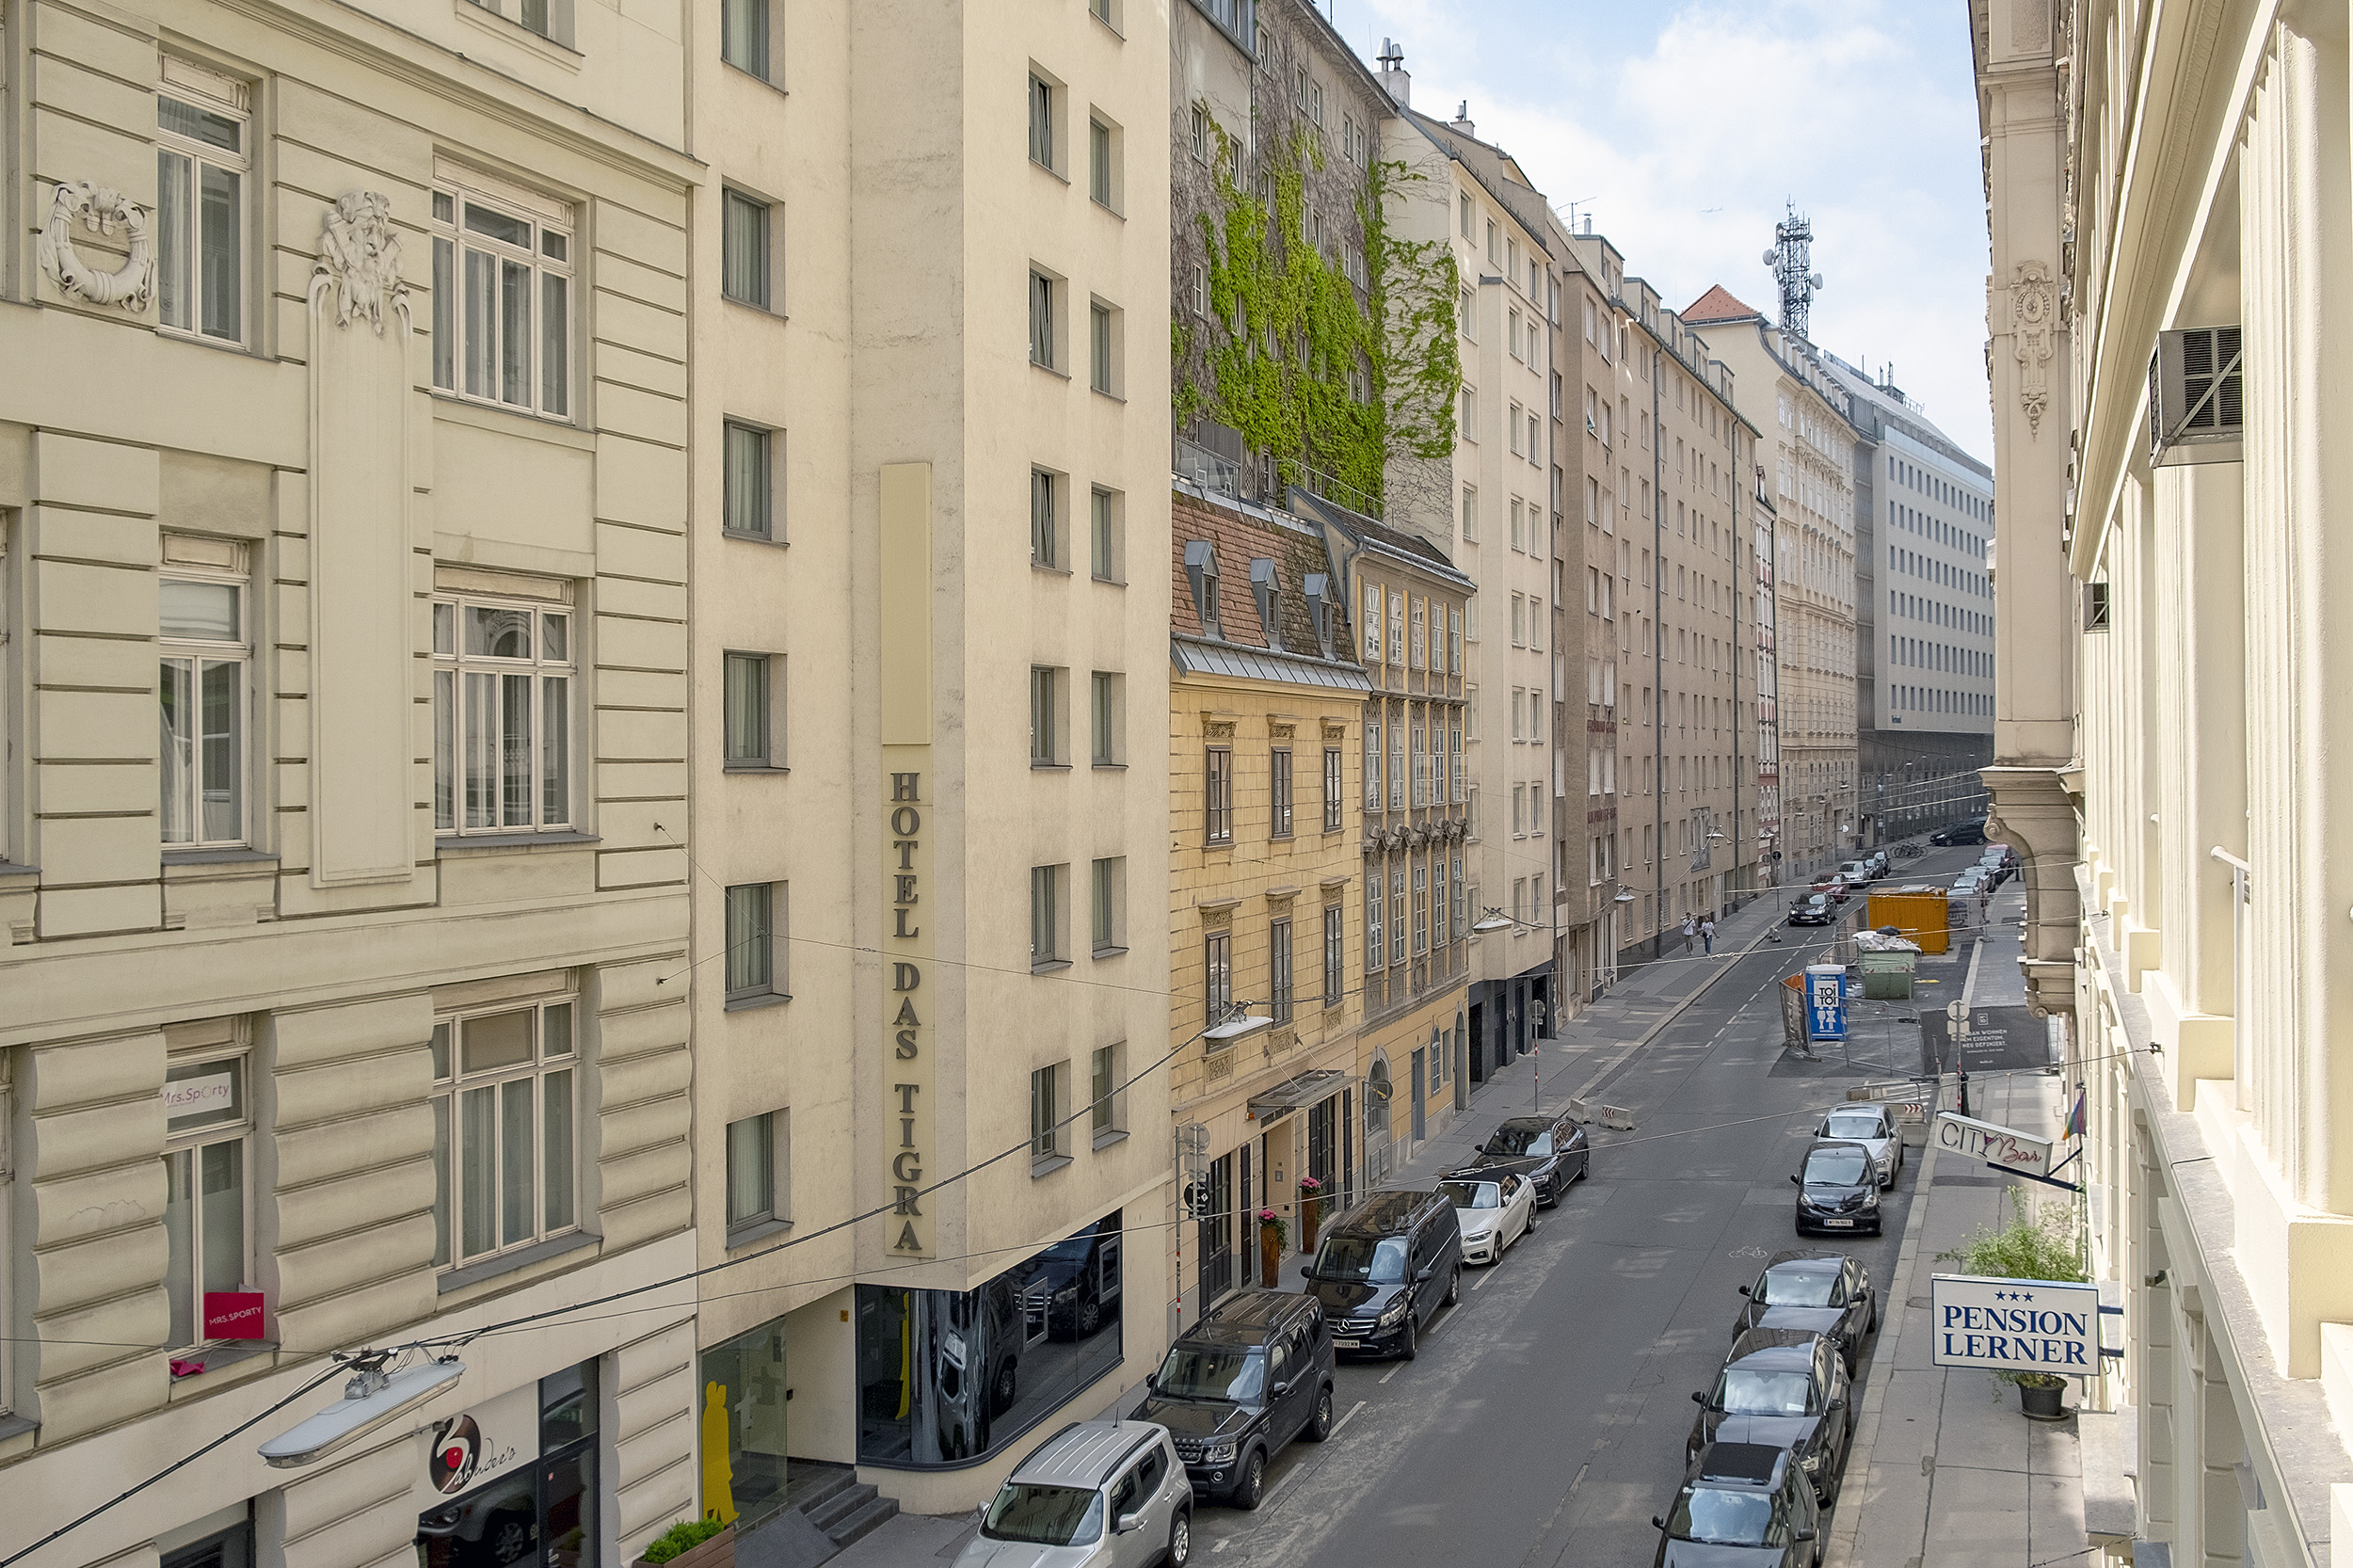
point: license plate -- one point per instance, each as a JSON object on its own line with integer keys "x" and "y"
{"x": 1347, "y": 1344}
{"x": 1848, "y": 1224}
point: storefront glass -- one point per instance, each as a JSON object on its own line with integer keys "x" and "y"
{"x": 519, "y": 1476}
{"x": 744, "y": 1422}
{"x": 946, "y": 1378}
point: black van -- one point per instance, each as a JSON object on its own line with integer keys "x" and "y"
{"x": 1386, "y": 1268}
{"x": 1254, "y": 1373}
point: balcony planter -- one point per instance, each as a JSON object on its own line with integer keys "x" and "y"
{"x": 685, "y": 1545}
{"x": 1310, "y": 1211}
{"x": 1273, "y": 1233}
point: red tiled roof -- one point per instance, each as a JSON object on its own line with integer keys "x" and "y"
{"x": 1716, "y": 305}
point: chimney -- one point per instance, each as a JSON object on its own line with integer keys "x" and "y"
{"x": 1393, "y": 74}
{"x": 1462, "y": 121}
{"x": 1585, "y": 224}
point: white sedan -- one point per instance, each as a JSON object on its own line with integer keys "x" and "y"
{"x": 1873, "y": 1126}
{"x": 1494, "y": 1209}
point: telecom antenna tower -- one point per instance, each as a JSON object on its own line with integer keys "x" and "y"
{"x": 1791, "y": 254}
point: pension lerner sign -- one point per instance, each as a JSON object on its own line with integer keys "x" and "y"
{"x": 2016, "y": 1325}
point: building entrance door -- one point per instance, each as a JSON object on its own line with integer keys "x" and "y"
{"x": 1217, "y": 1233}
{"x": 1421, "y": 1066}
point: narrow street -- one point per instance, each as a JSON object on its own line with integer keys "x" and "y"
{"x": 1545, "y": 1420}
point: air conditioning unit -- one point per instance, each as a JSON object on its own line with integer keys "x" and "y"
{"x": 2197, "y": 398}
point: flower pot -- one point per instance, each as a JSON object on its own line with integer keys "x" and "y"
{"x": 717, "y": 1552}
{"x": 2042, "y": 1404}
{"x": 1310, "y": 1213}
{"x": 1270, "y": 1256}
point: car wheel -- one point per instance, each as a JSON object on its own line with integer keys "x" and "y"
{"x": 511, "y": 1539}
{"x": 1089, "y": 1317}
{"x": 1252, "y": 1487}
{"x": 1005, "y": 1390}
{"x": 1319, "y": 1424}
{"x": 1410, "y": 1346}
{"x": 1454, "y": 1287}
{"x": 1180, "y": 1539}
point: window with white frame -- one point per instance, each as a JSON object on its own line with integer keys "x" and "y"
{"x": 208, "y": 1200}
{"x": 1376, "y": 952}
{"x": 1335, "y": 957}
{"x": 760, "y": 1163}
{"x": 201, "y": 701}
{"x": 502, "y": 715}
{"x": 202, "y": 159}
{"x": 506, "y": 1129}
{"x": 502, "y": 302}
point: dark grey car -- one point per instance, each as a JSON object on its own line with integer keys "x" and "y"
{"x": 1549, "y": 1151}
{"x": 1787, "y": 1388}
{"x": 1821, "y": 1293}
{"x": 1838, "y": 1189}
{"x": 1250, "y": 1376}
{"x": 1743, "y": 1505}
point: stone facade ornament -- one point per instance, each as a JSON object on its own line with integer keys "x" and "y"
{"x": 360, "y": 259}
{"x": 2033, "y": 314}
{"x": 101, "y": 211}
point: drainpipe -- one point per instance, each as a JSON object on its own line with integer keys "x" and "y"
{"x": 1658, "y": 648}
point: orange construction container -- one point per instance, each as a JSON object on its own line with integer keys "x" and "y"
{"x": 1916, "y": 912}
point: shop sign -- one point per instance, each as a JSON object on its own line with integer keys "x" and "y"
{"x": 201, "y": 1096}
{"x": 232, "y": 1315}
{"x": 485, "y": 1442}
{"x": 2015, "y": 1325}
{"x": 910, "y": 1012}
{"x": 2005, "y": 1148}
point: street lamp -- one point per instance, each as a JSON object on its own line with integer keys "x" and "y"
{"x": 1494, "y": 921}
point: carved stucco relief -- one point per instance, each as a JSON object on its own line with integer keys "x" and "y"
{"x": 360, "y": 260}
{"x": 102, "y": 211}
{"x": 2034, "y": 319}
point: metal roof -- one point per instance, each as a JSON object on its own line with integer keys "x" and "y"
{"x": 1199, "y": 656}
{"x": 1289, "y": 1095}
{"x": 1085, "y": 1453}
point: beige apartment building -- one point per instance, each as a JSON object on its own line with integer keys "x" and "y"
{"x": 930, "y": 517}
{"x": 2168, "y": 223}
{"x": 342, "y": 566}
{"x": 1807, "y": 449}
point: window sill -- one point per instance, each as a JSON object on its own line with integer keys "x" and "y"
{"x": 752, "y": 305}
{"x": 216, "y": 857}
{"x": 1108, "y": 394}
{"x": 754, "y": 1004}
{"x": 214, "y": 1358}
{"x": 777, "y": 768}
{"x": 776, "y": 88}
{"x": 1109, "y": 953}
{"x": 1103, "y": 206}
{"x": 16, "y": 867}
{"x": 448, "y": 404}
{"x": 1100, "y": 765}
{"x": 484, "y": 843}
{"x": 16, "y": 1426}
{"x": 1049, "y": 1166}
{"x": 1049, "y": 767}
{"x": 1105, "y": 1140}
{"x": 1052, "y": 571}
{"x": 1051, "y": 966}
{"x": 1051, "y": 370}
{"x": 755, "y": 1230}
{"x": 451, "y": 1280}
{"x": 742, "y": 537}
{"x": 201, "y": 340}
{"x": 1110, "y": 581}
{"x": 1049, "y": 168}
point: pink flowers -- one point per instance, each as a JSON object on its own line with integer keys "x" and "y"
{"x": 1268, "y": 1217}
{"x": 1310, "y": 1186}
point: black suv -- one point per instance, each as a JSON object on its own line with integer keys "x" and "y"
{"x": 1785, "y": 1388}
{"x": 1386, "y": 1268}
{"x": 1550, "y": 1151}
{"x": 1250, "y": 1376}
{"x": 1741, "y": 1505}
{"x": 1081, "y": 1277}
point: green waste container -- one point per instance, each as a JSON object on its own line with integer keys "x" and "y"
{"x": 1887, "y": 976}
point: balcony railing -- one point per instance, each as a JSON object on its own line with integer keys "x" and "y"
{"x": 1198, "y": 465}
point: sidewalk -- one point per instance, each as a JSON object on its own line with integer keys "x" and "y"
{"x": 1946, "y": 1473}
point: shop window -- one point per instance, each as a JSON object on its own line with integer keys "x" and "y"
{"x": 208, "y": 1209}
{"x": 521, "y": 1471}
{"x": 744, "y": 1390}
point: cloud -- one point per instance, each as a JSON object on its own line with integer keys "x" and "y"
{"x": 1684, "y": 129}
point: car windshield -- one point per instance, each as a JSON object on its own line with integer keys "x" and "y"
{"x": 1472, "y": 1195}
{"x": 1836, "y": 1168}
{"x": 1045, "y": 1516}
{"x": 1212, "y": 1372}
{"x": 1518, "y": 1140}
{"x": 1722, "y": 1518}
{"x": 1750, "y": 1393}
{"x": 1797, "y": 1287}
{"x": 1378, "y": 1261}
{"x": 1854, "y": 1124}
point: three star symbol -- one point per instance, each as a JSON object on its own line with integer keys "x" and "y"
{"x": 2013, "y": 1295}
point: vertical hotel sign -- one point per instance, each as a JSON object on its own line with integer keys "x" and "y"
{"x": 911, "y": 1003}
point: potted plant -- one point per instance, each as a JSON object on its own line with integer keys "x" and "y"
{"x": 692, "y": 1544}
{"x": 2033, "y": 1243}
{"x": 1310, "y": 1211}
{"x": 1272, "y": 1235}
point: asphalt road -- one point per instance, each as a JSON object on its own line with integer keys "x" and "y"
{"x": 1543, "y": 1422}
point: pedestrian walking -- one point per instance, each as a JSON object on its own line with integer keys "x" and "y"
{"x": 1707, "y": 932}
{"x": 1691, "y": 929}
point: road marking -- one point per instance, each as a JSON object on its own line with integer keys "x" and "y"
{"x": 1392, "y": 1371}
{"x": 1344, "y": 1420}
{"x": 1221, "y": 1544}
{"x": 1485, "y": 1276}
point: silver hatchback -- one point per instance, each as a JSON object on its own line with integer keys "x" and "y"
{"x": 1095, "y": 1494}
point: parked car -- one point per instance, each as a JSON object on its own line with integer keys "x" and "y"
{"x": 1785, "y": 1388}
{"x": 1549, "y": 1151}
{"x": 1872, "y": 1126}
{"x": 1812, "y": 909}
{"x": 1967, "y": 883}
{"x": 497, "y": 1525}
{"x": 1960, "y": 833}
{"x": 1820, "y": 1292}
{"x": 1247, "y": 1378}
{"x": 1095, "y": 1494}
{"x": 1493, "y": 1207}
{"x": 1080, "y": 1275}
{"x": 1855, "y": 873}
{"x": 1385, "y": 1269}
{"x": 1742, "y": 1504}
{"x": 1880, "y": 864}
{"x": 1837, "y": 1189}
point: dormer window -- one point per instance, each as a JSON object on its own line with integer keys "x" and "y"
{"x": 1201, "y": 575}
{"x": 1262, "y": 588}
{"x": 1318, "y": 595}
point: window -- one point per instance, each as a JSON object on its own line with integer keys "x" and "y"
{"x": 1469, "y": 310}
{"x": 1462, "y": 205}
{"x": 1201, "y": 136}
{"x": 1470, "y": 414}
{"x": 743, "y": 35}
{"x": 1107, "y": 1105}
{"x": 1420, "y": 650}
{"x": 199, "y": 217}
{"x": 1103, "y": 348}
{"x": 1397, "y": 760}
{"x": 1397, "y": 629}
{"x": 750, "y": 697}
{"x": 1421, "y": 761}
{"x": 1334, "y": 978}
{"x": 1046, "y": 1131}
{"x": 1397, "y": 913}
{"x": 1279, "y": 792}
{"x": 1454, "y": 641}
{"x": 744, "y": 271}
{"x": 207, "y": 1210}
{"x": 1421, "y": 909}
{"x": 747, "y": 483}
{"x": 1279, "y": 968}
{"x": 1103, "y": 162}
{"x": 1042, "y": 320}
{"x": 1200, "y": 290}
{"x": 1104, "y": 719}
{"x": 1201, "y": 576}
{"x": 1519, "y": 508}
{"x": 1217, "y": 956}
{"x": 1046, "y": 892}
{"x": 201, "y": 688}
{"x": 1332, "y": 786}
{"x": 493, "y": 271}
{"x": 1217, "y": 799}
{"x": 1372, "y": 759}
{"x": 1041, "y": 121}
{"x": 1044, "y": 539}
{"x": 759, "y": 1169}
{"x": 501, "y": 716}
{"x": 1470, "y": 513}
{"x": 504, "y": 1113}
{"x": 1376, "y": 953}
{"x": 1372, "y": 623}
{"x": 1045, "y": 717}
{"x": 754, "y": 936}
{"x": 1106, "y": 891}
{"x": 1454, "y": 744}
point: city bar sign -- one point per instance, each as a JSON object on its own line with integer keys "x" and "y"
{"x": 2016, "y": 1325}
{"x": 2002, "y": 1147}
{"x": 910, "y": 1000}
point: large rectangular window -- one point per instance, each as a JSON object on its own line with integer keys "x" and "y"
{"x": 207, "y": 1206}
{"x": 747, "y": 482}
{"x": 1217, "y": 795}
{"x": 1103, "y": 719}
{"x": 1333, "y": 786}
{"x": 1104, "y": 904}
{"x": 1279, "y": 793}
{"x": 750, "y": 697}
{"x": 1046, "y": 895}
{"x": 1107, "y": 1102}
{"x": 756, "y": 943}
{"x": 502, "y": 303}
{"x": 1335, "y": 959}
{"x": 743, "y": 35}
{"x": 1045, "y": 717}
{"x": 501, "y": 716}
{"x": 1279, "y": 969}
{"x": 744, "y": 249}
{"x": 1041, "y": 121}
{"x": 759, "y": 1166}
{"x": 201, "y": 687}
{"x": 506, "y": 1114}
{"x": 1047, "y": 1133}
{"x": 200, "y": 165}
{"x": 1217, "y": 992}
{"x": 1376, "y": 950}
{"x": 1105, "y": 555}
{"x": 1044, "y": 534}
{"x": 1042, "y": 320}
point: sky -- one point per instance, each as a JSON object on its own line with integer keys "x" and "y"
{"x": 1683, "y": 126}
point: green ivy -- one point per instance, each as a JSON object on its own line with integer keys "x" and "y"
{"x": 1287, "y": 331}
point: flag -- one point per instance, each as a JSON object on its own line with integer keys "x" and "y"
{"x": 2075, "y": 1117}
